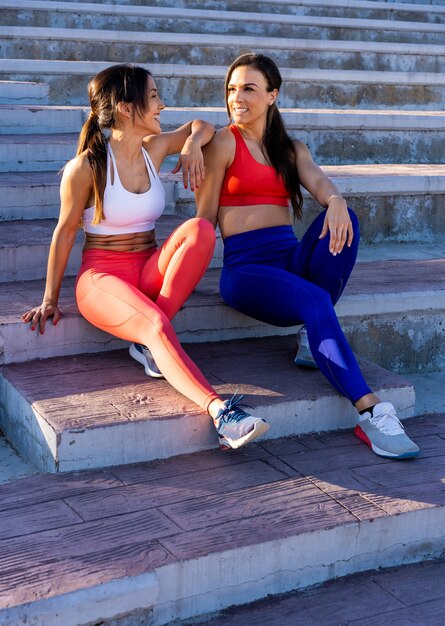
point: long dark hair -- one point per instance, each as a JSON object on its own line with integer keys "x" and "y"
{"x": 118, "y": 83}
{"x": 276, "y": 142}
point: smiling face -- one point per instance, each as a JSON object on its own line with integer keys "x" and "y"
{"x": 248, "y": 98}
{"x": 150, "y": 118}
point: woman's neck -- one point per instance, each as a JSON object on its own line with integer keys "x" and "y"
{"x": 126, "y": 146}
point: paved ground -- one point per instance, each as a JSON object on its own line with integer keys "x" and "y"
{"x": 413, "y": 595}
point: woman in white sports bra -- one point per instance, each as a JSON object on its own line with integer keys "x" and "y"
{"x": 126, "y": 285}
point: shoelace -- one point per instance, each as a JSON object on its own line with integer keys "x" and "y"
{"x": 387, "y": 423}
{"x": 232, "y": 413}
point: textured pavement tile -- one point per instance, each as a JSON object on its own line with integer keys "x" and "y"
{"x": 46, "y": 487}
{"x": 257, "y": 529}
{"x": 207, "y": 460}
{"x": 246, "y": 503}
{"x": 413, "y": 583}
{"x": 180, "y": 488}
{"x": 82, "y": 539}
{"x": 32, "y": 519}
{"x": 26, "y": 583}
{"x": 332, "y": 604}
{"x": 430, "y": 613}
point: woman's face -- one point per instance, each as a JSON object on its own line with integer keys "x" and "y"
{"x": 247, "y": 95}
{"x": 150, "y": 118}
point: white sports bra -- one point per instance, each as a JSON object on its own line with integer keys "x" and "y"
{"x": 127, "y": 212}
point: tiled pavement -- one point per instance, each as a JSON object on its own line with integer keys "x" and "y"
{"x": 60, "y": 533}
{"x": 411, "y": 595}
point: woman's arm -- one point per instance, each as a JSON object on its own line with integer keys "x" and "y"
{"x": 337, "y": 221}
{"x": 217, "y": 156}
{"x": 75, "y": 189}
{"x": 188, "y": 140}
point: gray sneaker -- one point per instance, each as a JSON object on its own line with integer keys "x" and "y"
{"x": 304, "y": 356}
{"x": 236, "y": 427}
{"x": 142, "y": 355}
{"x": 384, "y": 433}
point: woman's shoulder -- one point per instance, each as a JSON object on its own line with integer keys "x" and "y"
{"x": 78, "y": 169}
{"x": 222, "y": 143}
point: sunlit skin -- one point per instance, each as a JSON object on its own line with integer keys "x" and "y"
{"x": 249, "y": 100}
{"x": 132, "y": 131}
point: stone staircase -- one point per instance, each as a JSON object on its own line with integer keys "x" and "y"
{"x": 364, "y": 88}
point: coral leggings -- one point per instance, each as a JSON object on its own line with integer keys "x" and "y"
{"x": 134, "y": 295}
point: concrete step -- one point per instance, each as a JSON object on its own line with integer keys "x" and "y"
{"x": 349, "y": 136}
{"x": 73, "y": 413}
{"x": 203, "y": 85}
{"x": 398, "y": 301}
{"x": 170, "y": 47}
{"x": 28, "y": 261}
{"x": 14, "y": 92}
{"x": 397, "y": 206}
{"x": 373, "y": 9}
{"x": 97, "y": 16}
{"x": 166, "y": 540}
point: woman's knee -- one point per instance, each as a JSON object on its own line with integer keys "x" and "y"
{"x": 200, "y": 229}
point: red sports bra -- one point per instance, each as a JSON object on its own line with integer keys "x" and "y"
{"x": 248, "y": 182}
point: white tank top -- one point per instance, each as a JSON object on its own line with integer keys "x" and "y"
{"x": 127, "y": 212}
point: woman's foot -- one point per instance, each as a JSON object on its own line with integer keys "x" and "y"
{"x": 236, "y": 427}
{"x": 142, "y": 355}
{"x": 382, "y": 431}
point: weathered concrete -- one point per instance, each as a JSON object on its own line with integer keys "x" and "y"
{"x": 62, "y": 415}
{"x": 198, "y": 85}
{"x": 206, "y": 531}
{"x": 333, "y": 136}
{"x": 170, "y": 47}
{"x": 166, "y": 19}
{"x": 404, "y": 10}
{"x": 16, "y": 92}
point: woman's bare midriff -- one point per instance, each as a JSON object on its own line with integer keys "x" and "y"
{"x": 233, "y": 220}
{"x": 129, "y": 242}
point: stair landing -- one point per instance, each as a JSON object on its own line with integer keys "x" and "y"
{"x": 175, "y": 538}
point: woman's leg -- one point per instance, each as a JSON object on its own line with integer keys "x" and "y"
{"x": 119, "y": 308}
{"x": 174, "y": 270}
{"x": 313, "y": 261}
{"x": 279, "y": 297}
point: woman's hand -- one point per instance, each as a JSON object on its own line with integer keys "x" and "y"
{"x": 39, "y": 314}
{"x": 191, "y": 161}
{"x": 338, "y": 224}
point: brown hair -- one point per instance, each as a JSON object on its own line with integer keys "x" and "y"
{"x": 118, "y": 83}
{"x": 276, "y": 141}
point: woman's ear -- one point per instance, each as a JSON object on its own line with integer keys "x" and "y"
{"x": 125, "y": 109}
{"x": 273, "y": 95}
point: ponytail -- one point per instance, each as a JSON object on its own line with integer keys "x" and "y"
{"x": 115, "y": 84}
{"x": 93, "y": 140}
{"x": 280, "y": 151}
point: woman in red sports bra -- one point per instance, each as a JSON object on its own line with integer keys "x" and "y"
{"x": 252, "y": 190}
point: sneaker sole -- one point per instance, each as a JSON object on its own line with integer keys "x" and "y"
{"x": 358, "y": 432}
{"x": 306, "y": 363}
{"x": 137, "y": 356}
{"x": 259, "y": 429}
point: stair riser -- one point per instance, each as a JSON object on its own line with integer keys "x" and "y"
{"x": 132, "y": 442}
{"x": 29, "y": 93}
{"x": 412, "y": 342}
{"x": 204, "y": 25}
{"x": 328, "y": 147}
{"x": 382, "y": 10}
{"x": 407, "y": 331}
{"x": 196, "y": 91}
{"x": 66, "y": 49}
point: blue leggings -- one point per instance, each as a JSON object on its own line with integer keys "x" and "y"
{"x": 271, "y": 276}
